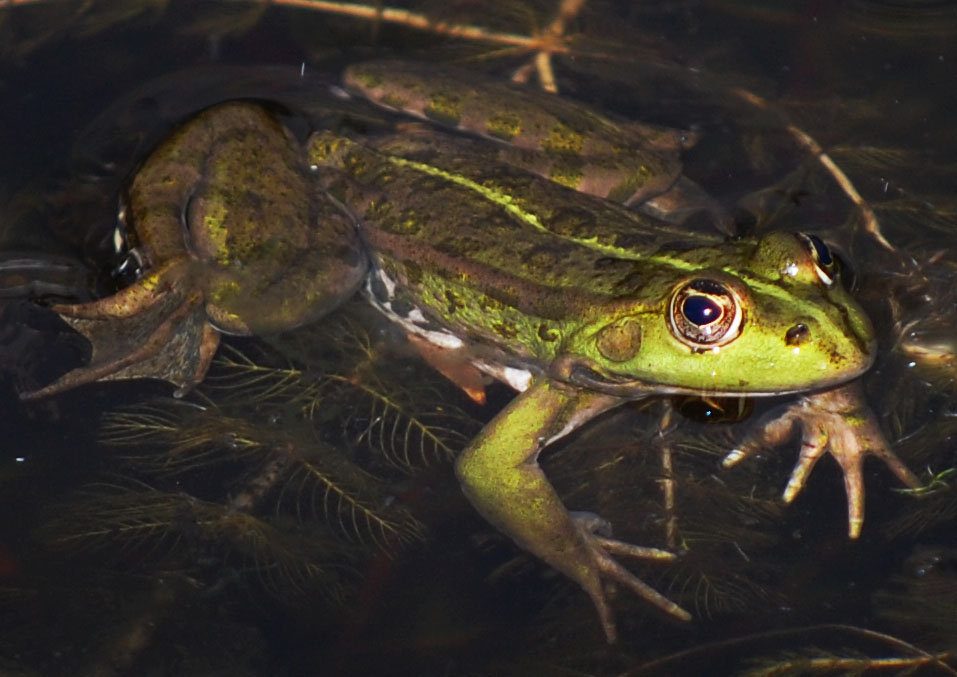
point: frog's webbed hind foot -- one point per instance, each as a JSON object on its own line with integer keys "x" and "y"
{"x": 602, "y": 548}
{"x": 141, "y": 332}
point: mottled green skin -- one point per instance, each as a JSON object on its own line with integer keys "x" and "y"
{"x": 224, "y": 217}
{"x": 251, "y": 213}
{"x": 560, "y": 139}
{"x": 507, "y": 259}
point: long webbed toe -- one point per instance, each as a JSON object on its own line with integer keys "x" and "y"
{"x": 602, "y": 548}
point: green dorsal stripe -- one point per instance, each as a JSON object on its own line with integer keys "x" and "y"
{"x": 506, "y": 202}
{"x": 499, "y": 198}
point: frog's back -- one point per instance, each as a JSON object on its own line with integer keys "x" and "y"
{"x": 525, "y": 256}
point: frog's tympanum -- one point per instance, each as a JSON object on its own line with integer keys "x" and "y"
{"x": 577, "y": 302}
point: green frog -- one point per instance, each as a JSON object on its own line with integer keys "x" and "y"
{"x": 578, "y": 303}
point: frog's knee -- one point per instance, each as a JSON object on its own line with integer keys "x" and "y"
{"x": 465, "y": 466}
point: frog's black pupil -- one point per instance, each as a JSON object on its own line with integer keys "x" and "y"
{"x": 700, "y": 310}
{"x": 822, "y": 250}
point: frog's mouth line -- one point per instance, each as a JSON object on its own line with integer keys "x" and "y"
{"x": 619, "y": 385}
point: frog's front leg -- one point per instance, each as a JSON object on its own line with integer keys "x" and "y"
{"x": 837, "y": 421}
{"x": 500, "y": 475}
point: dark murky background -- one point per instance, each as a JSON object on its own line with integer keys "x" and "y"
{"x": 133, "y": 541}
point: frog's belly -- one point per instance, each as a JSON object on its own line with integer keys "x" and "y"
{"x": 380, "y": 291}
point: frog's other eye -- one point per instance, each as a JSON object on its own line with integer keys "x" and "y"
{"x": 705, "y": 313}
{"x": 128, "y": 263}
{"x": 825, "y": 263}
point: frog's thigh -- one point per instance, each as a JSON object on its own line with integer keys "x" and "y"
{"x": 319, "y": 270}
{"x": 501, "y": 477}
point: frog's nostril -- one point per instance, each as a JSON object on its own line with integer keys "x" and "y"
{"x": 797, "y": 335}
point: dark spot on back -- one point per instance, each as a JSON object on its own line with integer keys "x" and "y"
{"x": 632, "y": 282}
{"x": 402, "y": 307}
{"x": 631, "y": 240}
{"x": 506, "y": 330}
{"x": 546, "y": 333}
{"x": 454, "y": 302}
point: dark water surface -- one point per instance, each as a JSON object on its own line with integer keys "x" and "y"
{"x": 298, "y": 514}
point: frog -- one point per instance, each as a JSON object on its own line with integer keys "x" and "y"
{"x": 578, "y": 303}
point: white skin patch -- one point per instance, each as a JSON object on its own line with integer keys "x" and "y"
{"x": 515, "y": 377}
{"x": 416, "y": 323}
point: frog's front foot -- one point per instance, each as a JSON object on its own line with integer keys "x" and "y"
{"x": 838, "y": 422}
{"x": 601, "y": 565}
{"x": 500, "y": 475}
{"x": 155, "y": 328}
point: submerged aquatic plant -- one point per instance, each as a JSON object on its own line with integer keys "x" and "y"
{"x": 164, "y": 529}
{"x": 265, "y": 466}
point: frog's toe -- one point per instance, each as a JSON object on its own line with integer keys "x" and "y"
{"x": 849, "y": 444}
{"x": 597, "y": 531}
{"x": 602, "y": 548}
{"x": 849, "y": 456}
{"x": 854, "y": 488}
{"x": 630, "y": 550}
{"x": 813, "y": 446}
{"x": 839, "y": 422}
{"x": 769, "y": 432}
{"x": 616, "y": 572}
{"x": 897, "y": 466}
{"x": 138, "y": 298}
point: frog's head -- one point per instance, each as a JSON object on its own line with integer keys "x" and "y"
{"x": 759, "y": 318}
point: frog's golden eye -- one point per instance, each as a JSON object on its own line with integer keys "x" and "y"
{"x": 825, "y": 264}
{"x": 705, "y": 313}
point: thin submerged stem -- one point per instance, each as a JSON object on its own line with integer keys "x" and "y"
{"x": 805, "y": 140}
